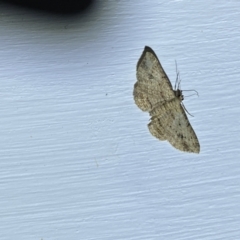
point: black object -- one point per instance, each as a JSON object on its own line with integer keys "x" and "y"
{"x": 57, "y": 6}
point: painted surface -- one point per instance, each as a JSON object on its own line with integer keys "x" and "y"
{"x": 77, "y": 160}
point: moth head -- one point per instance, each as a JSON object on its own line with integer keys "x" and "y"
{"x": 178, "y": 94}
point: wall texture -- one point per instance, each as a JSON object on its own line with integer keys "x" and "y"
{"x": 77, "y": 160}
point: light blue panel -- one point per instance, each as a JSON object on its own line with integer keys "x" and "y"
{"x": 77, "y": 160}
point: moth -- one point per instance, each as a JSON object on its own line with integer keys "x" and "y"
{"x": 153, "y": 93}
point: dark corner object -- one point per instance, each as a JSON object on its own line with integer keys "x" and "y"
{"x": 56, "y": 6}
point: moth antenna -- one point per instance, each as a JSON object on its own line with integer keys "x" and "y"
{"x": 191, "y": 90}
{"x": 186, "y": 109}
{"x": 179, "y": 83}
{"x": 178, "y": 79}
{"x": 177, "y": 73}
{"x": 189, "y": 95}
